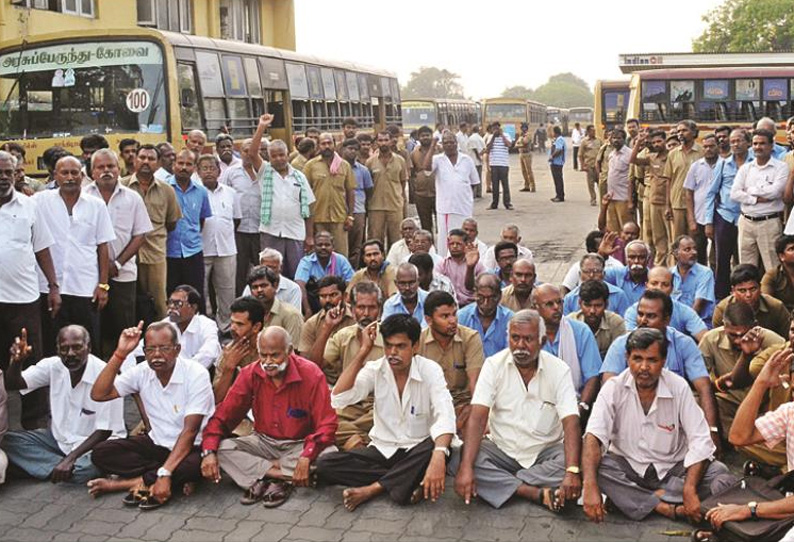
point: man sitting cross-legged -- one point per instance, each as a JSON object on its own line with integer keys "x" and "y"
{"x": 177, "y": 397}
{"x": 62, "y": 452}
{"x": 527, "y": 399}
{"x": 414, "y": 420}
{"x": 659, "y": 451}
{"x": 293, "y": 423}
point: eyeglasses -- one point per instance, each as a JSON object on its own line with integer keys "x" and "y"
{"x": 406, "y": 284}
{"x": 177, "y": 303}
{"x": 155, "y": 349}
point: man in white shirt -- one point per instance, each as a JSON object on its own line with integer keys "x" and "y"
{"x": 224, "y": 149}
{"x": 472, "y": 230}
{"x": 177, "y": 396}
{"x": 286, "y": 223}
{"x": 526, "y": 397}
{"x": 659, "y": 451}
{"x": 25, "y": 241}
{"x": 130, "y": 223}
{"x": 619, "y": 184}
{"x": 462, "y": 137}
{"x": 82, "y": 229}
{"x": 414, "y": 420}
{"x": 576, "y": 140}
{"x": 511, "y": 233}
{"x": 401, "y": 250}
{"x": 198, "y": 335}
{"x": 759, "y": 186}
{"x": 288, "y": 290}
{"x": 220, "y": 249}
{"x": 62, "y": 452}
{"x": 696, "y": 187}
{"x": 475, "y": 150}
{"x": 165, "y": 161}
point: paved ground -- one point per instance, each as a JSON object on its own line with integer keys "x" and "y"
{"x": 39, "y": 511}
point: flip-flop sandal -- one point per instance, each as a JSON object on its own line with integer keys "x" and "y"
{"x": 751, "y": 468}
{"x": 551, "y": 500}
{"x": 277, "y": 494}
{"x": 255, "y": 493}
{"x": 135, "y": 496}
{"x": 150, "y": 503}
{"x": 703, "y": 535}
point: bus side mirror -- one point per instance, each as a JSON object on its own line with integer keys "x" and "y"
{"x": 188, "y": 98}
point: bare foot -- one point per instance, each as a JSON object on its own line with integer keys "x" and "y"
{"x": 100, "y": 486}
{"x": 355, "y": 496}
{"x": 188, "y": 489}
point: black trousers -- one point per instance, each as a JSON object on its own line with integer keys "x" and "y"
{"x": 14, "y": 317}
{"x": 139, "y": 456}
{"x": 118, "y": 314}
{"x": 500, "y": 175}
{"x": 74, "y": 310}
{"x": 726, "y": 246}
{"x": 248, "y": 248}
{"x": 426, "y": 208}
{"x": 576, "y": 157}
{"x": 559, "y": 184}
{"x": 399, "y": 475}
{"x": 188, "y": 270}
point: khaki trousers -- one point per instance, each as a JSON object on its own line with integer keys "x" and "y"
{"x": 679, "y": 225}
{"x": 383, "y": 224}
{"x": 757, "y": 241}
{"x": 659, "y": 233}
{"x": 151, "y": 279}
{"x": 355, "y": 238}
{"x": 337, "y": 229}
{"x": 526, "y": 170}
{"x": 354, "y": 421}
{"x": 645, "y": 227}
{"x": 591, "y": 178}
{"x": 617, "y": 215}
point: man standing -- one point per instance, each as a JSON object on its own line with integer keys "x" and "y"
{"x": 605, "y": 325}
{"x": 409, "y": 299}
{"x": 675, "y": 169}
{"x": 588, "y": 150}
{"x": 128, "y": 148}
{"x": 526, "y": 397}
{"x": 540, "y": 138}
{"x": 475, "y": 152}
{"x": 388, "y": 197}
{"x": 693, "y": 283}
{"x": 524, "y": 145}
{"x": 195, "y": 142}
{"x": 334, "y": 185}
{"x": 224, "y": 149}
{"x": 184, "y": 248}
{"x": 130, "y": 224}
{"x": 723, "y": 136}
{"x": 414, "y": 421}
{"x": 425, "y": 179}
{"x": 722, "y": 212}
{"x": 164, "y": 164}
{"x": 293, "y": 424}
{"x": 487, "y": 316}
{"x": 177, "y": 396}
{"x": 659, "y": 454}
{"x": 556, "y": 161}
{"x": 357, "y": 233}
{"x": 376, "y": 269}
{"x": 619, "y": 185}
{"x": 81, "y": 227}
{"x": 164, "y": 212}
{"x": 62, "y": 452}
{"x": 516, "y": 297}
{"x": 696, "y": 186}
{"x": 286, "y": 223}
{"x": 576, "y": 141}
{"x": 499, "y": 162}
{"x": 758, "y": 187}
{"x": 24, "y": 244}
{"x": 461, "y": 266}
{"x": 220, "y": 250}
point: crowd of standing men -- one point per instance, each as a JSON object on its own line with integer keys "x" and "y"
{"x": 279, "y": 320}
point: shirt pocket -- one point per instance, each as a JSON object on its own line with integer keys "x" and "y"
{"x": 19, "y": 231}
{"x": 545, "y": 420}
{"x": 417, "y": 424}
{"x": 460, "y": 379}
{"x": 83, "y": 232}
{"x": 662, "y": 439}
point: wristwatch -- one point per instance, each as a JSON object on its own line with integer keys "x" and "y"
{"x": 163, "y": 472}
{"x": 573, "y": 469}
{"x": 442, "y": 449}
{"x": 205, "y": 453}
{"x": 753, "y": 505}
{"x": 584, "y": 406}
{"x": 103, "y": 286}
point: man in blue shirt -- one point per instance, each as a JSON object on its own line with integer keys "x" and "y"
{"x": 363, "y": 191}
{"x": 683, "y": 356}
{"x": 683, "y": 319}
{"x": 184, "y": 248}
{"x": 556, "y": 161}
{"x": 591, "y": 267}
{"x": 571, "y": 341}
{"x": 632, "y": 277}
{"x": 410, "y": 299}
{"x": 486, "y": 315}
{"x": 722, "y": 213}
{"x": 693, "y": 283}
{"x": 320, "y": 263}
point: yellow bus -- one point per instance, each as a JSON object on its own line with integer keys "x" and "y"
{"x": 156, "y": 86}
{"x": 558, "y": 116}
{"x": 433, "y": 111}
{"x": 512, "y": 112}
{"x": 582, "y": 115}
{"x": 713, "y": 97}
{"x": 611, "y": 105}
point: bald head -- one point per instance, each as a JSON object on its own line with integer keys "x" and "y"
{"x": 276, "y": 337}
{"x": 660, "y": 278}
{"x": 545, "y": 290}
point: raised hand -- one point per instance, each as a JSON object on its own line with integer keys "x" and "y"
{"x": 129, "y": 339}
{"x": 20, "y": 350}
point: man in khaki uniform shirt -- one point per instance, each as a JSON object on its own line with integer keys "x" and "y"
{"x": 605, "y": 325}
{"x": 334, "y": 315}
{"x": 678, "y": 163}
{"x": 456, "y": 348}
{"x": 376, "y": 269}
{"x": 263, "y": 283}
{"x": 602, "y": 165}
{"x": 355, "y": 421}
{"x": 388, "y": 197}
{"x": 424, "y": 180}
{"x": 517, "y": 296}
{"x": 656, "y": 225}
{"x": 335, "y": 193}
{"x": 588, "y": 152}
{"x": 164, "y": 212}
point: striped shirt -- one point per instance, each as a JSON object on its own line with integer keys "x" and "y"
{"x": 498, "y": 154}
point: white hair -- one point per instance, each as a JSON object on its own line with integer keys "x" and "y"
{"x": 4, "y": 155}
{"x": 269, "y": 253}
{"x": 529, "y": 316}
{"x": 277, "y": 144}
{"x": 637, "y": 242}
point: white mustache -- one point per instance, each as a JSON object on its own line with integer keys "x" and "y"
{"x": 637, "y": 267}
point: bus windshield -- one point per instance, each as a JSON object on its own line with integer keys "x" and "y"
{"x": 516, "y": 111}
{"x": 83, "y": 88}
{"x": 616, "y": 103}
{"x": 419, "y": 115}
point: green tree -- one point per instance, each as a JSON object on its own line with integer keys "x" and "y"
{"x": 430, "y": 82}
{"x": 518, "y": 91}
{"x": 562, "y": 90}
{"x": 748, "y": 25}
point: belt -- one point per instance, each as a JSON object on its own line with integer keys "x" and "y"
{"x": 763, "y": 217}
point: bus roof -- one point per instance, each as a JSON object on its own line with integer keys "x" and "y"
{"x": 716, "y": 73}
{"x": 630, "y": 63}
{"x": 440, "y": 100}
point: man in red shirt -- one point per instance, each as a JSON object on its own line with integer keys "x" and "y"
{"x": 293, "y": 423}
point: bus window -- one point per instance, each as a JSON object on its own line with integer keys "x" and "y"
{"x": 209, "y": 72}
{"x": 241, "y": 123}
{"x": 252, "y": 77}
{"x": 215, "y": 116}
{"x": 652, "y": 112}
{"x": 188, "y": 97}
{"x": 275, "y": 106}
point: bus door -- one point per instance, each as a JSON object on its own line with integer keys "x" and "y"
{"x": 275, "y": 92}
{"x": 190, "y": 102}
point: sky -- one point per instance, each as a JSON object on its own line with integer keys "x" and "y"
{"x": 501, "y": 44}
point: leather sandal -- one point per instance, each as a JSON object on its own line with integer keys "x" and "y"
{"x": 276, "y": 494}
{"x": 150, "y": 503}
{"x": 255, "y": 493}
{"x": 135, "y": 496}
